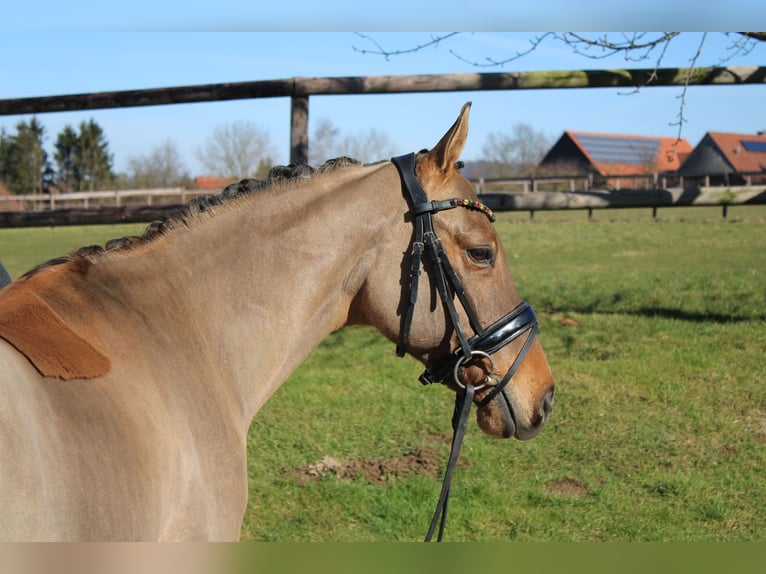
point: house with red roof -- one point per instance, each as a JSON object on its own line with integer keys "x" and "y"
{"x": 616, "y": 158}
{"x": 211, "y": 182}
{"x": 728, "y": 159}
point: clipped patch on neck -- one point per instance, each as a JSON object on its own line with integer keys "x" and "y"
{"x": 55, "y": 346}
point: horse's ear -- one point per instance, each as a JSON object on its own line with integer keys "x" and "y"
{"x": 449, "y": 148}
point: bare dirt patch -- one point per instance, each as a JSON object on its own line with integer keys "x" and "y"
{"x": 421, "y": 461}
{"x": 567, "y": 488}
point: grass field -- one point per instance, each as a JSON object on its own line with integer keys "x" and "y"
{"x": 655, "y": 333}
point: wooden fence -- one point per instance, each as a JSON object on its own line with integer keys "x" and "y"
{"x": 87, "y": 199}
{"x": 299, "y": 89}
{"x": 647, "y": 181}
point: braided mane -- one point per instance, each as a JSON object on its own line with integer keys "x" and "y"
{"x": 277, "y": 176}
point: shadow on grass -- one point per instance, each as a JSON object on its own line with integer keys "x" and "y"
{"x": 662, "y": 312}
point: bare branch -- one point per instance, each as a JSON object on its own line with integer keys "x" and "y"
{"x": 682, "y": 97}
{"x": 381, "y": 51}
{"x": 634, "y": 47}
{"x": 493, "y": 63}
{"x": 759, "y": 36}
{"x": 741, "y": 45}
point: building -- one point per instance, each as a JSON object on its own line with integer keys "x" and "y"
{"x": 727, "y": 159}
{"x": 211, "y": 182}
{"x": 616, "y": 159}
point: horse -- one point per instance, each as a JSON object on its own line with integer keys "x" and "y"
{"x": 130, "y": 373}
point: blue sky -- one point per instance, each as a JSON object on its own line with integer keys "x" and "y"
{"x": 89, "y": 54}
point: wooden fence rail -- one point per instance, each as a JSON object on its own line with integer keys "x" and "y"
{"x": 625, "y": 198}
{"x": 37, "y": 201}
{"x": 299, "y": 89}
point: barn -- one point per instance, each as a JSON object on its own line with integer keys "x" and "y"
{"x": 616, "y": 159}
{"x": 722, "y": 158}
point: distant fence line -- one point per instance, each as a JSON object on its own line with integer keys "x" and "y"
{"x": 588, "y": 182}
{"x": 627, "y": 198}
{"x": 299, "y": 89}
{"x": 49, "y": 201}
{"x": 499, "y": 201}
{"x": 482, "y": 186}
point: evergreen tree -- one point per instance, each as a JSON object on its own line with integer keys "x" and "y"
{"x": 7, "y": 152}
{"x": 92, "y": 158}
{"x": 25, "y": 163}
{"x": 68, "y": 171}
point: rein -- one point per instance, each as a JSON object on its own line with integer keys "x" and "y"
{"x": 478, "y": 348}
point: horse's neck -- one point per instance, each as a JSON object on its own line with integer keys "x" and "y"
{"x": 257, "y": 286}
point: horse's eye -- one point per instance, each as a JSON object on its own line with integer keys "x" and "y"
{"x": 483, "y": 255}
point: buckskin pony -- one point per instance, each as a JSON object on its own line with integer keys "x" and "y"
{"x": 131, "y": 373}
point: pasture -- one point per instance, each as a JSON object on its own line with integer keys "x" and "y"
{"x": 655, "y": 333}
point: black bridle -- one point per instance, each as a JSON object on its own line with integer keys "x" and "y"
{"x": 476, "y": 349}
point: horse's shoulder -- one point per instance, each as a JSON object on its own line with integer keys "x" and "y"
{"x": 47, "y": 316}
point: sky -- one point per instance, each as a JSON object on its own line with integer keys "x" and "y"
{"x": 91, "y": 55}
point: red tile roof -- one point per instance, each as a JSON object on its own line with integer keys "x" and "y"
{"x": 671, "y": 153}
{"x": 211, "y": 182}
{"x": 736, "y": 153}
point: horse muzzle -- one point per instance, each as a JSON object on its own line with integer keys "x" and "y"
{"x": 504, "y": 410}
{"x": 507, "y": 416}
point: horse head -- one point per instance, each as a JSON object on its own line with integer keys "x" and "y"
{"x": 463, "y": 317}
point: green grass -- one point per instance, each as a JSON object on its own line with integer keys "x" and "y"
{"x": 655, "y": 333}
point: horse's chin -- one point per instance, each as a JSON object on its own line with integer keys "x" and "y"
{"x": 498, "y": 419}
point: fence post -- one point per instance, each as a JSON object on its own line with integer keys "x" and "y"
{"x": 299, "y": 129}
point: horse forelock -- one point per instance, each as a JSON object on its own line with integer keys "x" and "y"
{"x": 279, "y": 177}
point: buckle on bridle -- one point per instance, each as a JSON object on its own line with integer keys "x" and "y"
{"x": 456, "y": 372}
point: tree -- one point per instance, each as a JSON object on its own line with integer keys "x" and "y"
{"x": 365, "y": 146}
{"x": 323, "y": 142}
{"x": 161, "y": 168}
{"x": 24, "y": 162}
{"x": 516, "y": 153}
{"x": 68, "y": 174}
{"x": 92, "y": 157}
{"x": 6, "y": 155}
{"x": 236, "y": 150}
